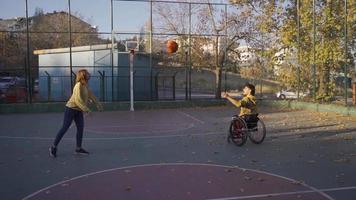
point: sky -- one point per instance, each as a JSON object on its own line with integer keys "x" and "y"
{"x": 129, "y": 16}
{"x": 96, "y": 12}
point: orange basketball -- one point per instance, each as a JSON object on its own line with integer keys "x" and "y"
{"x": 172, "y": 46}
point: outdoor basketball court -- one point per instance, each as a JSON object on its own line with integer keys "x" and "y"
{"x": 179, "y": 154}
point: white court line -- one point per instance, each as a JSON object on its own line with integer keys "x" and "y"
{"x": 190, "y": 116}
{"x": 189, "y": 164}
{"x": 286, "y": 193}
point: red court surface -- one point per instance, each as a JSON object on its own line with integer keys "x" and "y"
{"x": 179, "y": 181}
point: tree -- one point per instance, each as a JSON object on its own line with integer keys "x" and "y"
{"x": 13, "y": 52}
{"x": 330, "y": 52}
{"x": 51, "y": 30}
{"x": 209, "y": 20}
{"x": 260, "y": 35}
{"x": 277, "y": 21}
{"x": 47, "y": 31}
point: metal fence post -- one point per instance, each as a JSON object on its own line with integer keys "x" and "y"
{"x": 190, "y": 51}
{"x": 314, "y": 58}
{"x": 298, "y": 56}
{"x": 174, "y": 85}
{"x": 156, "y": 85}
{"x": 186, "y": 75}
{"x": 112, "y": 52}
{"x": 346, "y": 52}
{"x": 48, "y": 86}
{"x": 28, "y": 65}
{"x": 70, "y": 45}
{"x": 102, "y": 85}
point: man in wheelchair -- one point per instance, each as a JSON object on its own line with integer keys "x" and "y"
{"x": 248, "y": 105}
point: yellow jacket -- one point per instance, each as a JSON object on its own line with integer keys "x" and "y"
{"x": 79, "y": 99}
{"x": 247, "y": 104}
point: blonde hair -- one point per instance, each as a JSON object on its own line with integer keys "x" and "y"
{"x": 82, "y": 76}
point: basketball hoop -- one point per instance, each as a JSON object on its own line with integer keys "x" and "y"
{"x": 132, "y": 45}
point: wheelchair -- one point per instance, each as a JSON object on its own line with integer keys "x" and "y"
{"x": 247, "y": 126}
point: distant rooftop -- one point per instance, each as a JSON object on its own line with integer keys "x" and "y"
{"x": 74, "y": 49}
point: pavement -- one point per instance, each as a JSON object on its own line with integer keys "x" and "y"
{"x": 179, "y": 154}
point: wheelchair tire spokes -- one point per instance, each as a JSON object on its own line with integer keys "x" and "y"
{"x": 237, "y": 132}
{"x": 259, "y": 135}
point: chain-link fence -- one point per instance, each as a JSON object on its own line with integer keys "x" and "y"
{"x": 297, "y": 49}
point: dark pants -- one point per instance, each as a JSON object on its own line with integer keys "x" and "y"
{"x": 70, "y": 115}
{"x": 251, "y": 120}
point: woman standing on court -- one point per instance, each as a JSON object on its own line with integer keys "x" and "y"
{"x": 76, "y": 105}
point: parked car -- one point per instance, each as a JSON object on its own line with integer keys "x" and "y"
{"x": 15, "y": 94}
{"x": 7, "y": 82}
{"x": 290, "y": 94}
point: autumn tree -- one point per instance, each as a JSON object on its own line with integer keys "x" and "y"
{"x": 329, "y": 44}
{"x": 51, "y": 30}
{"x": 47, "y": 31}
{"x": 261, "y": 35}
{"x": 209, "y": 28}
{"x": 277, "y": 19}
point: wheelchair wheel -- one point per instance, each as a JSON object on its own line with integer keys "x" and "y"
{"x": 258, "y": 133}
{"x": 238, "y": 132}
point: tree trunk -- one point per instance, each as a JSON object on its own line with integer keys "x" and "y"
{"x": 218, "y": 82}
{"x": 219, "y": 64}
{"x": 324, "y": 81}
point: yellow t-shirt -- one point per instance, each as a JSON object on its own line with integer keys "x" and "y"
{"x": 79, "y": 99}
{"x": 247, "y": 104}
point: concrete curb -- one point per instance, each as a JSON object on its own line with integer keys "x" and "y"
{"x": 109, "y": 106}
{"x": 298, "y": 105}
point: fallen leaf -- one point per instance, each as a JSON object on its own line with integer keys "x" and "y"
{"x": 247, "y": 178}
{"x": 297, "y": 182}
{"x": 348, "y": 138}
{"x": 342, "y": 160}
{"x": 260, "y": 179}
{"x": 311, "y": 161}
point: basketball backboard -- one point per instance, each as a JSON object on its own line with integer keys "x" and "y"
{"x": 132, "y": 45}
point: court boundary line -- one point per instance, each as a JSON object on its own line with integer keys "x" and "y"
{"x": 312, "y": 189}
{"x": 191, "y": 117}
{"x": 286, "y": 193}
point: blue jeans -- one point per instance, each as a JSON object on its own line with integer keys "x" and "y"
{"x": 70, "y": 115}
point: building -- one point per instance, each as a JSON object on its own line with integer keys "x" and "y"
{"x": 108, "y": 82}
